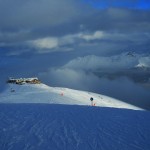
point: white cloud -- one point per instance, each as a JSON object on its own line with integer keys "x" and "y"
{"x": 51, "y": 44}
{"x": 58, "y": 42}
{"x": 92, "y": 36}
{"x": 46, "y": 43}
{"x": 96, "y": 41}
{"x": 144, "y": 61}
{"x": 72, "y": 38}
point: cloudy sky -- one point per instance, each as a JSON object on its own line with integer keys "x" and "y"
{"x": 64, "y": 41}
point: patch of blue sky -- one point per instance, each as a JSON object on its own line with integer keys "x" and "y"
{"x": 143, "y": 5}
{"x": 101, "y": 4}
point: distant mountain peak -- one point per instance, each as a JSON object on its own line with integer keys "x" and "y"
{"x": 131, "y": 54}
{"x": 142, "y": 67}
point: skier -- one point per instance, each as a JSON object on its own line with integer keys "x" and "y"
{"x": 91, "y": 99}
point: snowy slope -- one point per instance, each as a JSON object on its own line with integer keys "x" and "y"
{"x": 41, "y": 93}
{"x": 63, "y": 127}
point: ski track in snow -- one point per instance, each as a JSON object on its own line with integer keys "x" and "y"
{"x": 64, "y": 127}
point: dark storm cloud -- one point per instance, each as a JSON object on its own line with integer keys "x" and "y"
{"x": 30, "y": 27}
{"x": 19, "y": 18}
{"x": 126, "y": 90}
{"x": 17, "y": 14}
{"x": 123, "y": 20}
{"x": 30, "y": 21}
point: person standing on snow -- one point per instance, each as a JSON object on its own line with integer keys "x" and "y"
{"x": 91, "y": 99}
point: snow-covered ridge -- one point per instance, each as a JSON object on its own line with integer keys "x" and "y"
{"x": 117, "y": 62}
{"x": 41, "y": 93}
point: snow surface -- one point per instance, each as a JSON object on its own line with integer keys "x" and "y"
{"x": 72, "y": 127}
{"x": 41, "y": 93}
{"x": 31, "y": 118}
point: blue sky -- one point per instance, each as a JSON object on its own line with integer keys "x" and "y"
{"x": 132, "y": 4}
{"x": 40, "y": 38}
